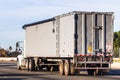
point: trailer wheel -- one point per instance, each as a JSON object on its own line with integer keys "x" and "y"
{"x": 100, "y": 72}
{"x": 90, "y": 72}
{"x": 72, "y": 69}
{"x": 61, "y": 67}
{"x": 31, "y": 65}
{"x": 105, "y": 71}
{"x": 67, "y": 67}
{"x": 27, "y": 64}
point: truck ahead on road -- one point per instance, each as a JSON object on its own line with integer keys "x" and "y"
{"x": 69, "y": 43}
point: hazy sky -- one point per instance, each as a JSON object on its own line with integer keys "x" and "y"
{"x": 15, "y": 13}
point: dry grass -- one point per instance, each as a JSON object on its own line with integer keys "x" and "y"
{"x": 116, "y": 60}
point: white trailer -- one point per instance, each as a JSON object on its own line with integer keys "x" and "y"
{"x": 70, "y": 42}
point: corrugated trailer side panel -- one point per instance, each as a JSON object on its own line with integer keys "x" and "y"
{"x": 30, "y": 41}
{"x": 41, "y": 40}
{"x": 67, "y": 31}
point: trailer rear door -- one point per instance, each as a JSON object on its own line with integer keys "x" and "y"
{"x": 95, "y": 33}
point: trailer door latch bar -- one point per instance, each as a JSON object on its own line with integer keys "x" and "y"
{"x": 98, "y": 27}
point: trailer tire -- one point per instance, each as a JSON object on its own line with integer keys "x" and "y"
{"x": 67, "y": 67}
{"x": 90, "y": 72}
{"x": 72, "y": 69}
{"x": 77, "y": 71}
{"x": 105, "y": 72}
{"x": 61, "y": 67}
{"x": 27, "y": 64}
{"x": 31, "y": 65}
{"x": 100, "y": 72}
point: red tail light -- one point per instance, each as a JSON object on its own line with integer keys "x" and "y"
{"x": 111, "y": 55}
{"x": 89, "y": 55}
{"x": 75, "y": 55}
{"x": 106, "y": 59}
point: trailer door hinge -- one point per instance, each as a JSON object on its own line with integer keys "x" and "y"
{"x": 76, "y": 36}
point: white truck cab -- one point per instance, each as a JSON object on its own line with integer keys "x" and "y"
{"x": 21, "y": 58}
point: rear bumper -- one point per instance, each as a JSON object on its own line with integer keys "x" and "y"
{"x": 104, "y": 68}
{"x": 93, "y": 65}
{"x": 93, "y": 62}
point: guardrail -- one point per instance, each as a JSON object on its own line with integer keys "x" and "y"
{"x": 8, "y": 59}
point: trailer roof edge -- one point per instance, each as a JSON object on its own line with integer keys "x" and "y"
{"x": 39, "y": 22}
{"x": 59, "y": 16}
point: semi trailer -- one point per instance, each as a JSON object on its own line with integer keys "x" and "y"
{"x": 69, "y": 43}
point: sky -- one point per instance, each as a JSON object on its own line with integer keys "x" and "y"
{"x": 15, "y": 13}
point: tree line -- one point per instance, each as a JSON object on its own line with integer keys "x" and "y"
{"x": 116, "y": 44}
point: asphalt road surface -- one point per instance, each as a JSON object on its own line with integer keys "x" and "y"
{"x": 8, "y": 71}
